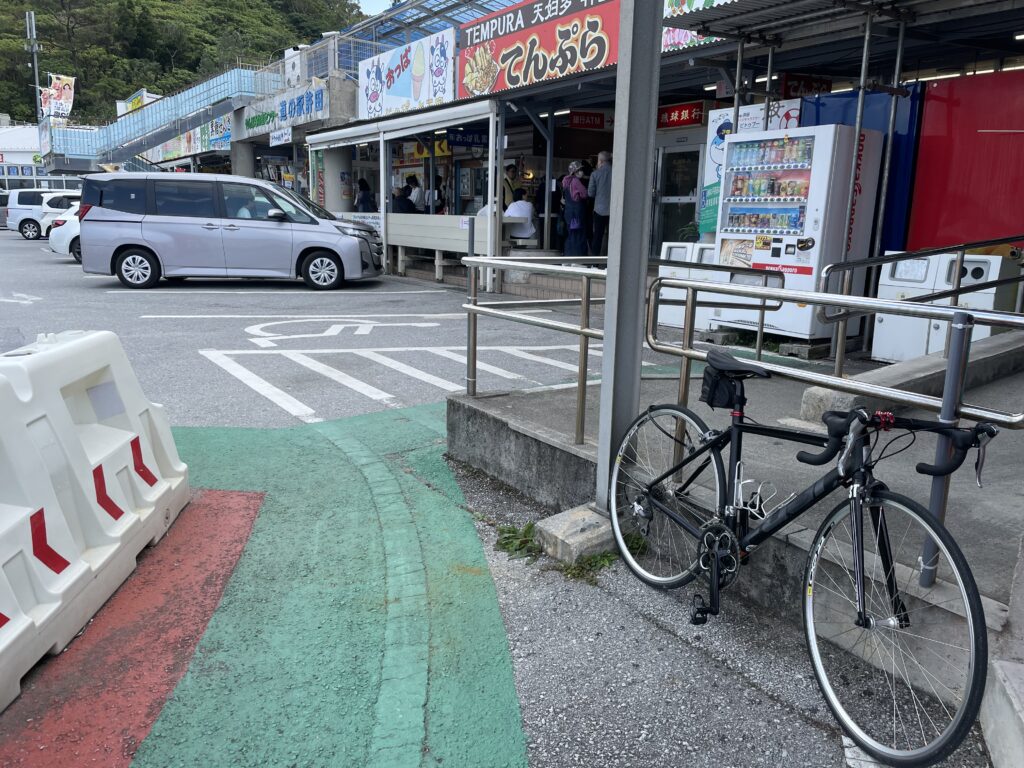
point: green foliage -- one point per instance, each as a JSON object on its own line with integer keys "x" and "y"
{"x": 518, "y": 542}
{"x": 115, "y": 47}
{"x": 587, "y": 567}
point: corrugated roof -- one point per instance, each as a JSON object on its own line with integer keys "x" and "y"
{"x": 414, "y": 19}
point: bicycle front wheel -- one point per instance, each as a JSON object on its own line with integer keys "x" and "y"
{"x": 659, "y": 550}
{"x": 907, "y": 683}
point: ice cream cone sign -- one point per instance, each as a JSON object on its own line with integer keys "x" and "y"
{"x": 419, "y": 69}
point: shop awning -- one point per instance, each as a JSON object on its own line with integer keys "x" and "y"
{"x": 400, "y": 126}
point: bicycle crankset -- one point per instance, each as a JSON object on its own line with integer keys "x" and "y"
{"x": 718, "y": 541}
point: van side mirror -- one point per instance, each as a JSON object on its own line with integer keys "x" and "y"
{"x": 276, "y": 214}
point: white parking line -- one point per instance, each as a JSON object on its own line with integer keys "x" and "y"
{"x": 408, "y": 370}
{"x": 540, "y": 359}
{"x": 263, "y": 387}
{"x": 447, "y": 353}
{"x": 342, "y": 378}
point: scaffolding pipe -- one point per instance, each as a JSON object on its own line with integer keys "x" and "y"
{"x": 736, "y": 88}
{"x": 839, "y": 341}
{"x": 890, "y": 134}
{"x": 768, "y": 90}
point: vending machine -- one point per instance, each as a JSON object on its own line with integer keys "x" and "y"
{"x": 783, "y": 208}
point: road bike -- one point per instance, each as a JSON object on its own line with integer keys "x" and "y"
{"x": 893, "y": 620}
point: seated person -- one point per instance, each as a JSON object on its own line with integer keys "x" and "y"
{"x": 400, "y": 203}
{"x": 521, "y": 208}
{"x": 485, "y": 210}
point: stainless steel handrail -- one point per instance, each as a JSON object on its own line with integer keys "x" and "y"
{"x": 556, "y": 265}
{"x": 838, "y": 383}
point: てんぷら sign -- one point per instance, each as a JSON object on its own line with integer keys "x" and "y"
{"x": 534, "y": 41}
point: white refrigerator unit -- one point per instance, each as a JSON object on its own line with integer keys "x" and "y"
{"x": 783, "y": 208}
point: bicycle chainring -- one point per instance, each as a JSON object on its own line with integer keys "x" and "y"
{"x": 717, "y": 536}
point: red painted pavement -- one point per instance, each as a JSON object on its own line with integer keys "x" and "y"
{"x": 95, "y": 703}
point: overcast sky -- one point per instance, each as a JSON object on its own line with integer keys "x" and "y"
{"x": 374, "y": 6}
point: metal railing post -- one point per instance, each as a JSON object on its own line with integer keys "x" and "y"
{"x": 581, "y": 384}
{"x": 954, "y": 300}
{"x": 952, "y": 393}
{"x": 689, "y": 318}
{"x": 471, "y": 319}
{"x": 759, "y": 344}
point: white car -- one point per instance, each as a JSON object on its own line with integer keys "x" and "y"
{"x": 26, "y": 209}
{"x": 64, "y": 234}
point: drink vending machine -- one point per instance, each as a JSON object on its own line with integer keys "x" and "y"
{"x": 783, "y": 208}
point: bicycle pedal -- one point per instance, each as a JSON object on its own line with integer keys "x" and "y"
{"x": 698, "y": 611}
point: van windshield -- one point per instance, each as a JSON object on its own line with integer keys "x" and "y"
{"x": 319, "y": 211}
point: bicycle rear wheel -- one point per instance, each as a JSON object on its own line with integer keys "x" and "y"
{"x": 655, "y": 547}
{"x": 907, "y": 687}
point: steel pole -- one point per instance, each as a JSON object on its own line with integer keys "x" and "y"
{"x": 549, "y": 159}
{"x": 768, "y": 88}
{"x": 471, "y": 319}
{"x": 581, "y": 384}
{"x": 33, "y": 47}
{"x": 954, "y": 300}
{"x": 737, "y": 86}
{"x": 887, "y": 157}
{"x": 952, "y": 394}
{"x": 636, "y": 100}
{"x": 689, "y": 318}
{"x": 840, "y": 337}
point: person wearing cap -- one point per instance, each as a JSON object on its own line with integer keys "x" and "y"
{"x": 508, "y": 186}
{"x": 574, "y": 196}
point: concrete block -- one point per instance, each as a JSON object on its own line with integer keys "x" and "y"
{"x": 576, "y": 533}
{"x": 805, "y": 351}
{"x": 1002, "y": 713}
{"x": 722, "y": 338}
{"x": 991, "y": 359}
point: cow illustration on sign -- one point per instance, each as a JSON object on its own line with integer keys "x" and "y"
{"x": 374, "y": 89}
{"x": 439, "y": 68}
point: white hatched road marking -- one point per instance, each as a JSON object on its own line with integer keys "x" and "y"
{"x": 408, "y": 370}
{"x": 341, "y": 378}
{"x": 20, "y": 298}
{"x": 458, "y": 358}
{"x": 277, "y": 396}
{"x": 298, "y": 409}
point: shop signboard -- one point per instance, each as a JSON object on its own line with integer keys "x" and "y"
{"x": 294, "y": 106}
{"x": 595, "y": 121}
{"x": 281, "y": 136}
{"x": 412, "y": 76}
{"x": 536, "y": 40}
{"x": 214, "y": 136}
{"x": 467, "y": 138}
{"x": 793, "y": 86}
{"x": 782, "y": 114}
{"x": 682, "y": 115}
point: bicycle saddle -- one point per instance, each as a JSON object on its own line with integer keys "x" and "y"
{"x": 729, "y": 366}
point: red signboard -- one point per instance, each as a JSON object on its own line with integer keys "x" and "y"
{"x": 793, "y": 86}
{"x": 592, "y": 120}
{"x": 534, "y": 41}
{"x": 681, "y": 115}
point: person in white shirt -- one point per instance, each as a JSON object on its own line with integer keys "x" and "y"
{"x": 521, "y": 208}
{"x": 414, "y": 191}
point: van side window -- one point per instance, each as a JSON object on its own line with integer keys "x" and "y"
{"x": 125, "y": 195}
{"x": 30, "y": 198}
{"x": 184, "y": 198}
{"x": 245, "y": 201}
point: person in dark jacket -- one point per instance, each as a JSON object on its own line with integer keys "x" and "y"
{"x": 365, "y": 201}
{"x": 400, "y": 203}
{"x": 574, "y": 200}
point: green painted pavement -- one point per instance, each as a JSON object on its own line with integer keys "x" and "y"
{"x": 361, "y": 625}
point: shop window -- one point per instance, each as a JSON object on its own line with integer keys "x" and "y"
{"x": 184, "y": 198}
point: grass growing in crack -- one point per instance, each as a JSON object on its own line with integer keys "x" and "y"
{"x": 635, "y": 543}
{"x": 587, "y": 568}
{"x": 518, "y": 542}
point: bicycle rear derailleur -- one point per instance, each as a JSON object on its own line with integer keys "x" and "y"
{"x": 718, "y": 555}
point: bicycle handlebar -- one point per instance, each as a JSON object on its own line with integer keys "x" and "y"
{"x": 838, "y": 424}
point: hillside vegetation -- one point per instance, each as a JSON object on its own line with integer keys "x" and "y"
{"x": 115, "y": 47}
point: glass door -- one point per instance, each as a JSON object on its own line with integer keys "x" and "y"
{"x": 675, "y": 205}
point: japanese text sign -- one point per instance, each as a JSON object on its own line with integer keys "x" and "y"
{"x": 681, "y": 115}
{"x": 536, "y": 40}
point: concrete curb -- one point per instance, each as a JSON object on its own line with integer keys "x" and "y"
{"x": 576, "y": 533}
{"x": 1002, "y": 713}
{"x": 993, "y": 358}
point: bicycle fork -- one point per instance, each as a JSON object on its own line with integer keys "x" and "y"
{"x": 885, "y": 555}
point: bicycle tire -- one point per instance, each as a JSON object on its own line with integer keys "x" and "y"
{"x": 655, "y": 548}
{"x": 949, "y": 631}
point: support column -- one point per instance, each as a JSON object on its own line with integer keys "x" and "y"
{"x": 243, "y": 159}
{"x": 337, "y": 165}
{"x": 636, "y": 101}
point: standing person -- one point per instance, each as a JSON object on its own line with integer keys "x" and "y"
{"x": 508, "y": 186}
{"x": 365, "y": 202}
{"x": 600, "y": 188}
{"x": 440, "y": 200}
{"x": 400, "y": 202}
{"x": 414, "y": 191}
{"x": 574, "y": 197}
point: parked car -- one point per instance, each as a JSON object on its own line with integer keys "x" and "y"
{"x": 144, "y": 226}
{"x": 3, "y": 209}
{"x": 64, "y": 237}
{"x": 27, "y": 209}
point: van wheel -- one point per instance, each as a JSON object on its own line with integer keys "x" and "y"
{"x": 76, "y": 250}
{"x": 322, "y": 271}
{"x": 29, "y": 230}
{"x": 137, "y": 268}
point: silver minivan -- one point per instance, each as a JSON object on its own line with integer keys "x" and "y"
{"x": 144, "y": 226}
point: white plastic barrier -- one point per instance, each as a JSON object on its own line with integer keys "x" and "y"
{"x": 89, "y": 475}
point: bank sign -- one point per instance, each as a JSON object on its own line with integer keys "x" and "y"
{"x": 534, "y": 41}
{"x": 294, "y": 106}
{"x": 412, "y": 76}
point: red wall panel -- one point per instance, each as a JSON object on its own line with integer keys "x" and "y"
{"x": 969, "y": 179}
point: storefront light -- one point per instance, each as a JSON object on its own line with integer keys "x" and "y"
{"x": 1019, "y": 36}
{"x": 562, "y": 112}
{"x": 712, "y": 87}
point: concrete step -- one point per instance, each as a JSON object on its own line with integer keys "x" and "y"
{"x": 1002, "y": 714}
